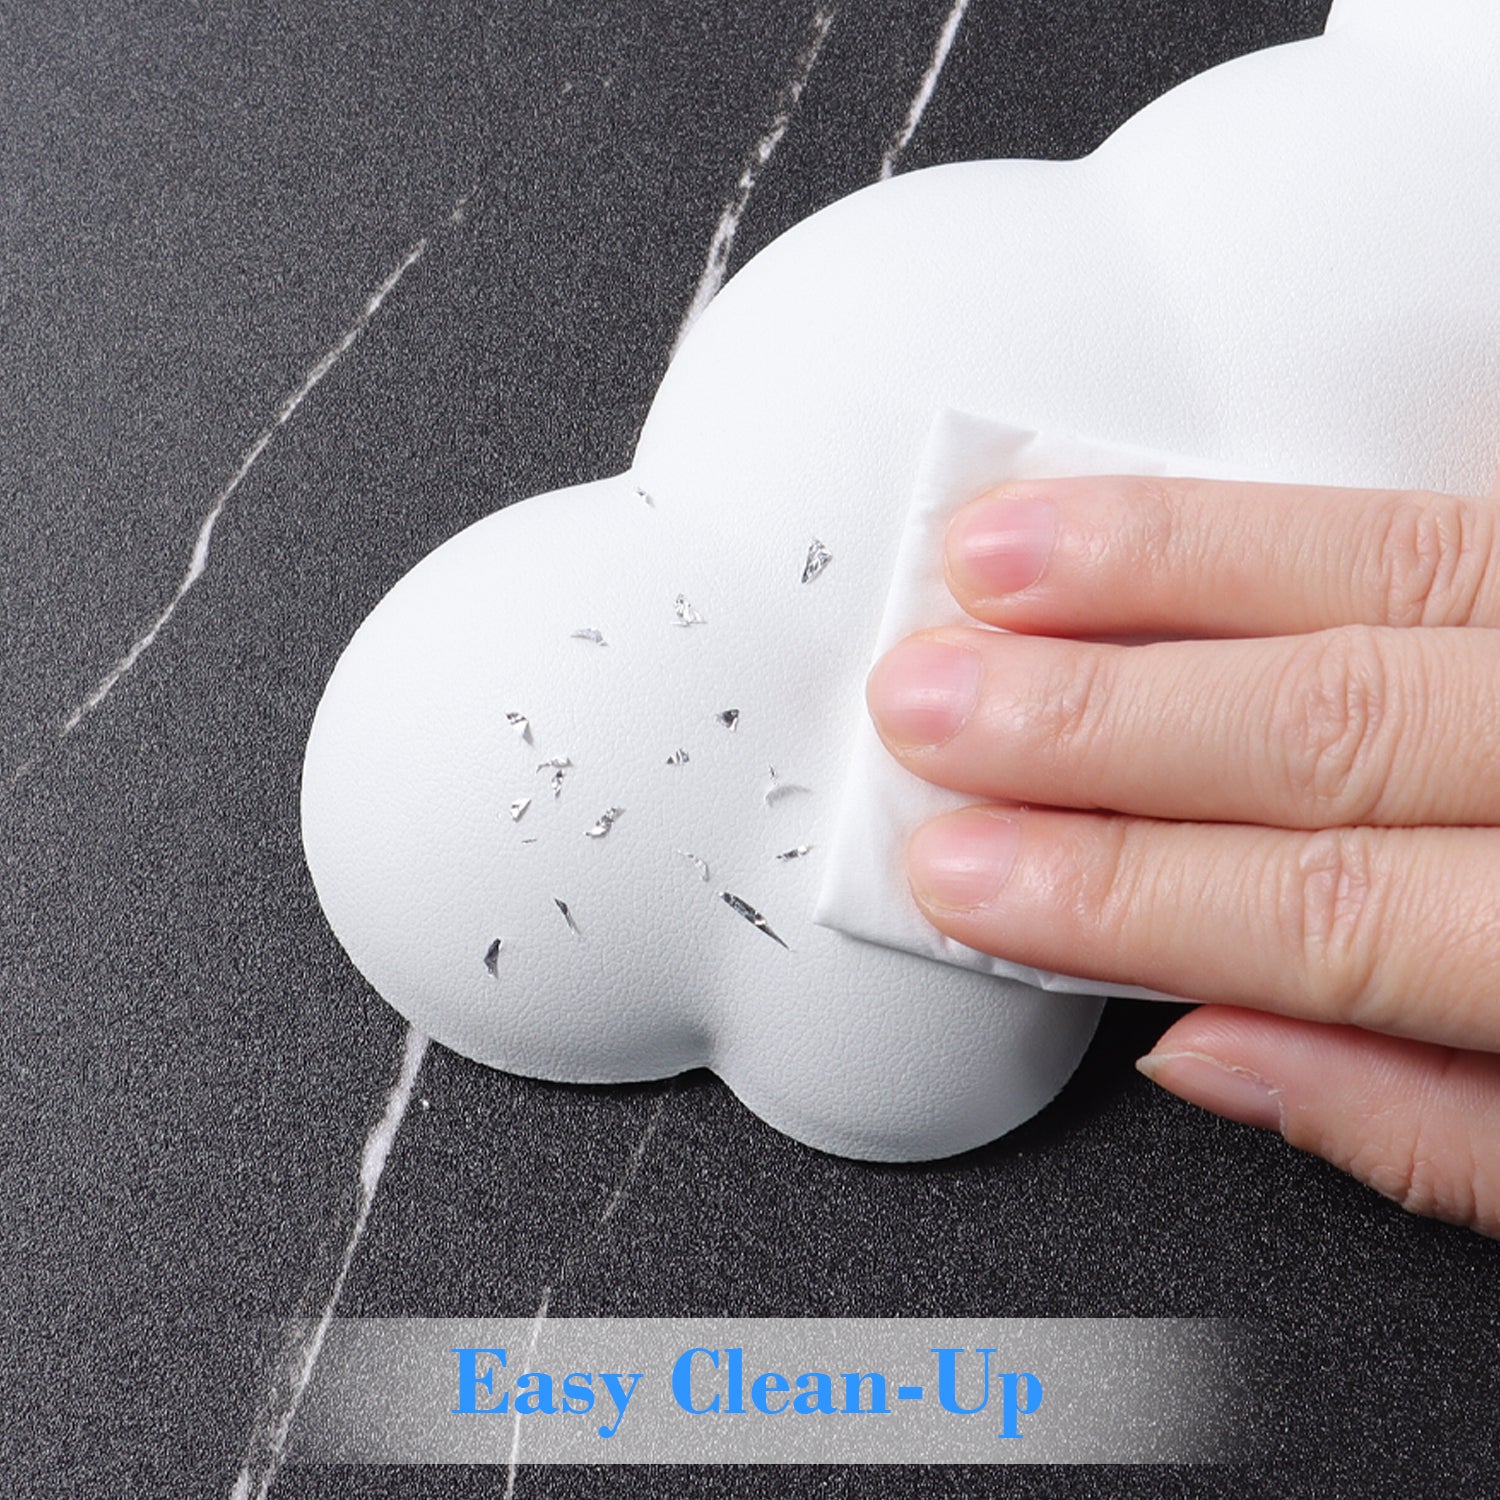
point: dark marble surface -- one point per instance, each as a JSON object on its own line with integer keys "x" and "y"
{"x": 197, "y": 201}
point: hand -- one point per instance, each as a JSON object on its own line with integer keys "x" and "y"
{"x": 1285, "y": 802}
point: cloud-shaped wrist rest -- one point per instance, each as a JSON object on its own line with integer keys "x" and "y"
{"x": 1287, "y": 266}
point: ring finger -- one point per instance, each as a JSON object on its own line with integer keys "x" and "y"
{"x": 1388, "y": 929}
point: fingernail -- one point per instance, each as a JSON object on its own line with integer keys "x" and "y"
{"x": 1001, "y": 546}
{"x": 962, "y": 861}
{"x": 1235, "y": 1093}
{"x": 922, "y": 692}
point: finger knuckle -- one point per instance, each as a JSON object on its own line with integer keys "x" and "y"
{"x": 1337, "y": 733}
{"x": 1430, "y": 558}
{"x": 1075, "y": 703}
{"x": 1120, "y": 890}
{"x": 1429, "y": 1169}
{"x": 1334, "y": 910}
{"x": 1155, "y": 509}
{"x": 1091, "y": 885}
{"x": 1416, "y": 1181}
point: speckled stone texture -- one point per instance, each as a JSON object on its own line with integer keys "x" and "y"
{"x": 199, "y": 200}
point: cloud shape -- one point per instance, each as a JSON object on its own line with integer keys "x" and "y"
{"x": 1289, "y": 266}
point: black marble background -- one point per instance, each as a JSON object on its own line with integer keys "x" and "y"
{"x": 197, "y": 198}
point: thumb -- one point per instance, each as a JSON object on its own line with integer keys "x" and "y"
{"x": 1419, "y": 1123}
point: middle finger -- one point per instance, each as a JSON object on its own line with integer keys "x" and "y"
{"x": 1356, "y": 725}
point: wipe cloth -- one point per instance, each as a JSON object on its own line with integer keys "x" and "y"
{"x": 864, "y": 891}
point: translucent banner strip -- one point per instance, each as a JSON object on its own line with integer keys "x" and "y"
{"x": 776, "y": 1391}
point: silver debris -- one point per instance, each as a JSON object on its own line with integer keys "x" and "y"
{"x": 567, "y": 915}
{"x": 818, "y": 558}
{"x": 646, "y": 496}
{"x": 522, "y": 726}
{"x": 559, "y": 765}
{"x": 729, "y": 717}
{"x": 750, "y": 914}
{"x": 518, "y": 808}
{"x": 492, "y": 957}
{"x": 606, "y": 822}
{"x": 800, "y": 852}
{"x": 678, "y": 758}
{"x": 686, "y": 614}
{"x": 597, "y": 637}
{"x": 700, "y": 865}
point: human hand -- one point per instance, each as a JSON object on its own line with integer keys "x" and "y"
{"x": 1284, "y": 803}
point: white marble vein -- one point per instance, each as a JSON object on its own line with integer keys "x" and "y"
{"x": 622, "y": 1187}
{"x": 198, "y": 562}
{"x": 923, "y": 96}
{"x": 537, "y": 1319}
{"x": 716, "y": 266}
{"x": 267, "y": 1446}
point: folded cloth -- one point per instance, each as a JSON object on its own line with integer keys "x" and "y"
{"x": 864, "y": 891}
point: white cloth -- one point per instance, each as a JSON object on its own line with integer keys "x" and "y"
{"x": 864, "y": 891}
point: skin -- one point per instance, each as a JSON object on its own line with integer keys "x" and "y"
{"x": 1242, "y": 746}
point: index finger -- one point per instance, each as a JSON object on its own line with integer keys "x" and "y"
{"x": 1127, "y": 556}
